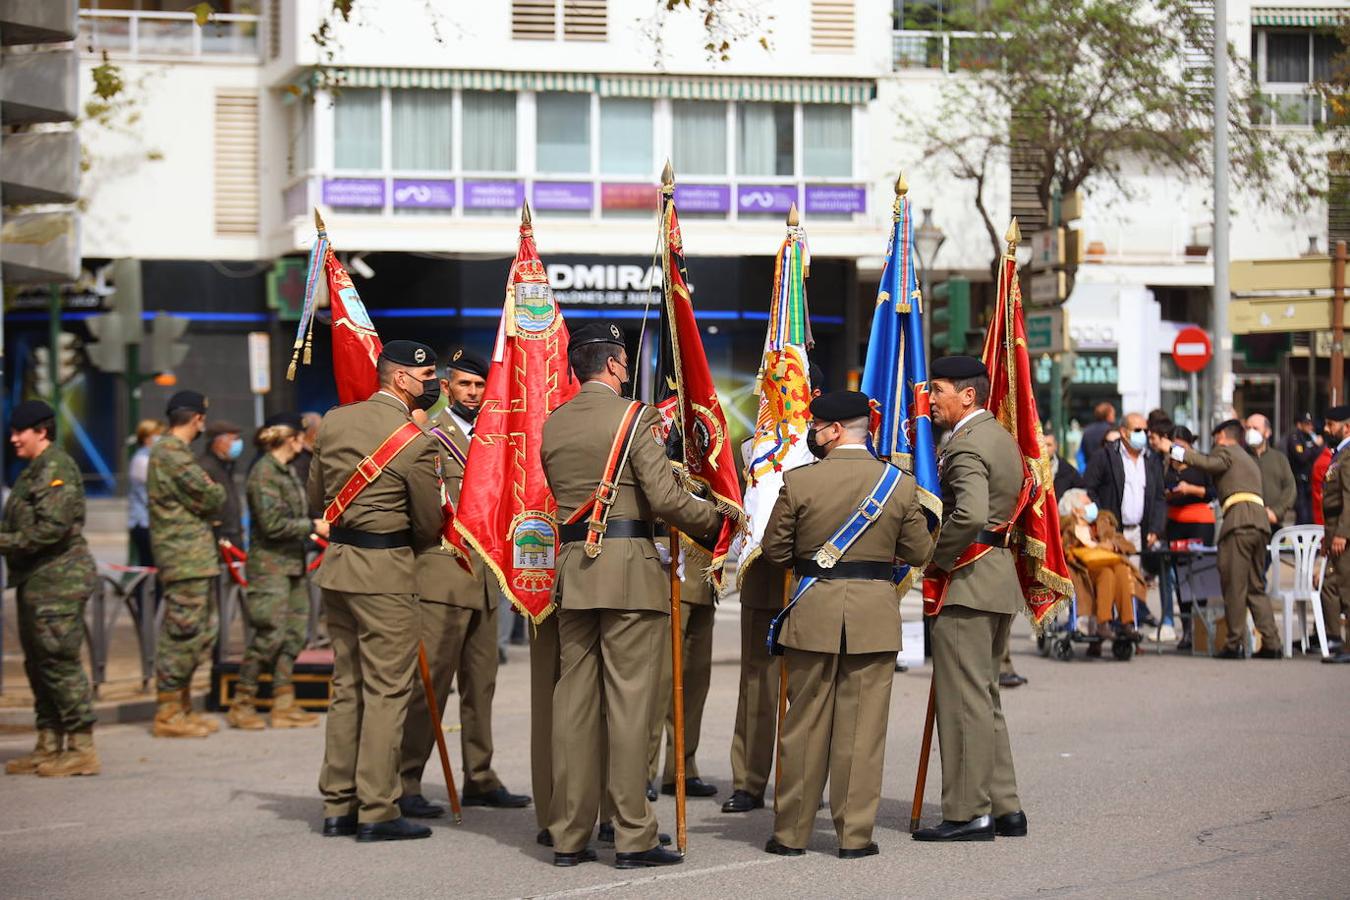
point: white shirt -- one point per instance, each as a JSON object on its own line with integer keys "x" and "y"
{"x": 967, "y": 417}
{"x": 850, "y": 447}
{"x": 1132, "y": 499}
{"x": 1341, "y": 445}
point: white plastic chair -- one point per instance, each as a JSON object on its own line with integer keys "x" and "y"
{"x": 1305, "y": 543}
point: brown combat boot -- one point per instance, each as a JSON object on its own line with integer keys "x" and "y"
{"x": 287, "y": 714}
{"x": 80, "y": 758}
{"x": 210, "y": 723}
{"x": 242, "y": 715}
{"x": 171, "y": 721}
{"x": 48, "y": 748}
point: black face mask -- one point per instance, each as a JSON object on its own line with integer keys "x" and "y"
{"x": 464, "y": 412}
{"x": 431, "y": 392}
{"x": 814, "y": 446}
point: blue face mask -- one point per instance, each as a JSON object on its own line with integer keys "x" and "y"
{"x": 1090, "y": 513}
{"x": 236, "y": 448}
{"x": 1138, "y": 439}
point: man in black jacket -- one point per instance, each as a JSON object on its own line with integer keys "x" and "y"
{"x": 1128, "y": 482}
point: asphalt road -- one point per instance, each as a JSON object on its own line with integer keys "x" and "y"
{"x": 1166, "y": 776}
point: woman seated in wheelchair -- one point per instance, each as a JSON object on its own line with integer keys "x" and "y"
{"x": 1102, "y": 574}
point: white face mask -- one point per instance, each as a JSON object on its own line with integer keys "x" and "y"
{"x": 1254, "y": 437}
{"x": 1138, "y": 440}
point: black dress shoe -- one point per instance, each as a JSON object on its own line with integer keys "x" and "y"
{"x": 980, "y": 828}
{"x": 543, "y": 838}
{"x": 1338, "y": 659}
{"x": 742, "y": 801}
{"x": 500, "y": 798}
{"x": 1011, "y": 680}
{"x": 340, "y": 826}
{"x": 657, "y": 856}
{"x": 859, "y": 852}
{"x": 772, "y": 846}
{"x": 567, "y": 860}
{"x": 1226, "y": 653}
{"x": 1011, "y": 825}
{"x": 693, "y": 787}
{"x": 399, "y": 829}
{"x": 651, "y": 793}
{"x": 1268, "y": 653}
{"x": 415, "y": 806}
{"x": 605, "y": 835}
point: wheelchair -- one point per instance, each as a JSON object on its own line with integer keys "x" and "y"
{"x": 1058, "y": 638}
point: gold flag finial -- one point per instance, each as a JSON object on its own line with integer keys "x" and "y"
{"x": 1014, "y": 236}
{"x": 793, "y": 219}
{"x": 901, "y": 185}
{"x": 318, "y": 220}
{"x": 668, "y": 179}
{"x": 525, "y": 213}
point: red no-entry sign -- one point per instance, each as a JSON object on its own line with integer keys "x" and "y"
{"x": 1192, "y": 349}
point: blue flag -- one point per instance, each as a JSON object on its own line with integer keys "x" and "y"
{"x": 895, "y": 375}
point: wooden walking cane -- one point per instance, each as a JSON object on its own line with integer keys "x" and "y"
{"x": 677, "y": 689}
{"x": 435, "y": 710}
{"x": 925, "y": 749}
{"x": 782, "y": 703}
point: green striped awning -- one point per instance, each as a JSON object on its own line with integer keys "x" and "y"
{"x": 782, "y": 90}
{"x": 1298, "y": 16}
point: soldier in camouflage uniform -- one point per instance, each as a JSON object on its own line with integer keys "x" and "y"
{"x": 51, "y": 568}
{"x": 278, "y": 598}
{"x": 183, "y": 502}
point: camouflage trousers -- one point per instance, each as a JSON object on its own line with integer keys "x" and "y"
{"x": 51, "y": 632}
{"x": 277, "y": 608}
{"x": 188, "y": 631}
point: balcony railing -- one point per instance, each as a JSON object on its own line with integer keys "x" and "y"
{"x": 944, "y": 51}
{"x": 146, "y": 34}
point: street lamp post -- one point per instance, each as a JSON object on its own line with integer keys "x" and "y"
{"x": 928, "y": 240}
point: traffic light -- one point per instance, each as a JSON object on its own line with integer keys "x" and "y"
{"x": 950, "y": 312}
{"x": 166, "y": 350}
{"x": 109, "y": 350}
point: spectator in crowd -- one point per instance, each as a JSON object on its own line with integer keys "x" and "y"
{"x": 1064, "y": 475}
{"x": 1190, "y": 498}
{"x": 224, "y": 445}
{"x": 1277, "y": 479}
{"x": 309, "y": 421}
{"x": 138, "y": 509}
{"x": 1301, "y": 448}
{"x": 1102, "y": 575}
{"x": 1095, "y": 433}
{"x": 1126, "y": 481}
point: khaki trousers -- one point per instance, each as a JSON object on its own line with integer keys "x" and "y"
{"x": 1336, "y": 596}
{"x": 838, "y": 709}
{"x": 544, "y": 670}
{"x": 697, "y": 633}
{"x": 374, "y": 655}
{"x": 752, "y": 745}
{"x": 977, "y": 765}
{"x": 605, "y": 692}
{"x": 1242, "y": 577}
{"x": 455, "y": 637}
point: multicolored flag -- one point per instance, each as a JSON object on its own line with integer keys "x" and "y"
{"x": 506, "y": 512}
{"x": 784, "y": 388}
{"x": 356, "y": 346}
{"x": 895, "y": 374}
{"x": 1041, "y": 568}
{"x": 687, "y": 396}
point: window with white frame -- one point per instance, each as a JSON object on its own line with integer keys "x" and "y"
{"x": 698, "y": 137}
{"x": 625, "y": 137}
{"x": 489, "y": 126}
{"x": 419, "y": 130}
{"x": 827, "y": 140}
{"x": 765, "y": 143}
{"x": 562, "y": 133}
{"x": 1289, "y": 62}
{"x": 357, "y": 130}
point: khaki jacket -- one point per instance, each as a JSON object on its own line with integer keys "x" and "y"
{"x": 845, "y": 615}
{"x": 406, "y": 496}
{"x": 628, "y": 573}
{"x": 762, "y": 587}
{"x": 1335, "y": 499}
{"x": 980, "y": 470}
{"x": 440, "y": 576}
{"x": 1234, "y": 471}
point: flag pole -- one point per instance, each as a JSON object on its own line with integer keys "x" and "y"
{"x": 435, "y": 710}
{"x": 925, "y": 751}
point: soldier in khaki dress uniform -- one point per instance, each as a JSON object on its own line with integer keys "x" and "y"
{"x": 459, "y": 624}
{"x": 613, "y": 609}
{"x": 1243, "y": 537}
{"x": 843, "y": 633}
{"x": 368, "y": 577}
{"x": 1336, "y": 519}
{"x": 981, "y": 471}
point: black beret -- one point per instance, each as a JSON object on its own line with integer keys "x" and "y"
{"x": 1225, "y": 424}
{"x": 408, "y": 353}
{"x": 464, "y": 361}
{"x": 1305, "y": 417}
{"x": 840, "y": 406}
{"x": 187, "y": 400}
{"x": 1338, "y": 413}
{"x": 817, "y": 377}
{"x": 957, "y": 368}
{"x": 29, "y": 413}
{"x": 601, "y": 332}
{"x": 285, "y": 419}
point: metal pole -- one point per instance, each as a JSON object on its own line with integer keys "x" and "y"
{"x": 1195, "y": 402}
{"x": 1223, "y": 340}
{"x": 54, "y": 352}
{"x": 1338, "y": 325}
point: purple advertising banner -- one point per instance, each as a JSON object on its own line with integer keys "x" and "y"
{"x": 765, "y": 198}
{"x": 703, "y": 198}
{"x": 493, "y": 194}
{"x": 418, "y": 193}
{"x": 835, "y": 198}
{"x": 353, "y": 192}
{"x": 576, "y": 196}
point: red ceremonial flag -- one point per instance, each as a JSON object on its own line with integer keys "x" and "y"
{"x": 506, "y": 512}
{"x": 691, "y": 405}
{"x": 1041, "y": 568}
